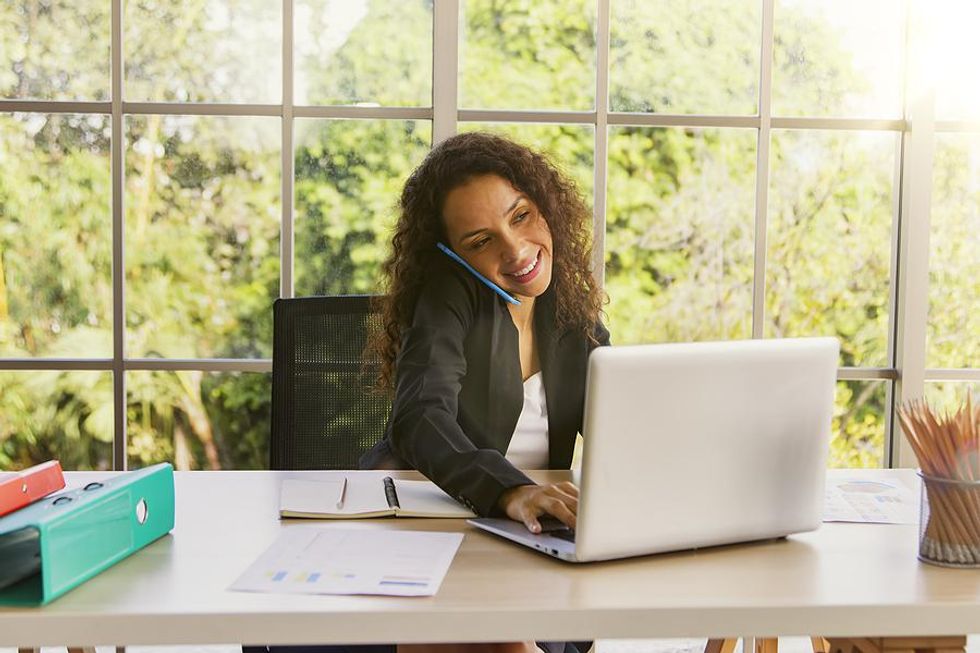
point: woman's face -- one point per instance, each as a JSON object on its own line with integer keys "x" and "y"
{"x": 500, "y": 232}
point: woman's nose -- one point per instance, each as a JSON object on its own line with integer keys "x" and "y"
{"x": 512, "y": 248}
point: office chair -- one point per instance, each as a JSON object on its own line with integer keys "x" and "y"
{"x": 325, "y": 412}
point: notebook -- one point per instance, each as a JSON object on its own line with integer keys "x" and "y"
{"x": 366, "y": 496}
{"x": 695, "y": 445}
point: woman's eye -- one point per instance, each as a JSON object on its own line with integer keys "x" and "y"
{"x": 523, "y": 216}
{"x": 478, "y": 244}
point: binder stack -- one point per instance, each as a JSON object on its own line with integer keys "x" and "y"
{"x": 55, "y": 544}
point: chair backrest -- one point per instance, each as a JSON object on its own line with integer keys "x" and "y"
{"x": 325, "y": 413}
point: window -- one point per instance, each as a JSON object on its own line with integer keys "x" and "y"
{"x": 753, "y": 167}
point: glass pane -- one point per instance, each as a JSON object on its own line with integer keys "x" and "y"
{"x": 62, "y": 415}
{"x": 679, "y": 234}
{"x": 949, "y": 396}
{"x": 953, "y": 329}
{"x": 199, "y": 420}
{"x": 570, "y": 147}
{"x": 955, "y": 50}
{"x": 685, "y": 57}
{"x": 349, "y": 176}
{"x": 202, "y": 236}
{"x": 828, "y": 262}
{"x": 54, "y": 210}
{"x": 527, "y": 54}
{"x": 858, "y": 427}
{"x": 838, "y": 58}
{"x": 366, "y": 53}
{"x": 194, "y": 51}
{"x": 54, "y": 50}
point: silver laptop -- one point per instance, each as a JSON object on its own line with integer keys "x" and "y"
{"x": 694, "y": 445}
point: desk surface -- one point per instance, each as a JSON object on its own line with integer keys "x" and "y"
{"x": 842, "y": 580}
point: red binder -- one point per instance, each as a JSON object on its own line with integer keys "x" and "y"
{"x": 30, "y": 485}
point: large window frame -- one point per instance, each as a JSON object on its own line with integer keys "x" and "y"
{"x": 906, "y": 372}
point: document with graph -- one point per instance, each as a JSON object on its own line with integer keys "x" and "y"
{"x": 316, "y": 560}
{"x": 853, "y": 498}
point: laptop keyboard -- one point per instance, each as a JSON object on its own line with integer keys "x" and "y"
{"x": 556, "y": 528}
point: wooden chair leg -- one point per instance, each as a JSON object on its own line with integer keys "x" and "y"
{"x": 766, "y": 645}
{"x": 956, "y": 644}
{"x": 720, "y": 646}
{"x": 820, "y": 645}
{"x": 28, "y": 649}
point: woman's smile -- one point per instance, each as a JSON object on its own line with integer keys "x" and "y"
{"x": 528, "y": 273}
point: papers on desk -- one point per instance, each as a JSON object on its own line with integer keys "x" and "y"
{"x": 313, "y": 560}
{"x": 860, "y": 500}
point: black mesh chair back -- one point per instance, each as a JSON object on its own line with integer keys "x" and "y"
{"x": 325, "y": 412}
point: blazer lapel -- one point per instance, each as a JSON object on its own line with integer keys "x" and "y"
{"x": 560, "y": 446}
{"x": 506, "y": 391}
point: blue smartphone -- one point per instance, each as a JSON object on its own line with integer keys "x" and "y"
{"x": 494, "y": 287}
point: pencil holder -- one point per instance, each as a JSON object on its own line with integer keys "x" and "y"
{"x": 949, "y": 523}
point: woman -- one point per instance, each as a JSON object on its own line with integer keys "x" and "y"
{"x": 483, "y": 386}
{"x": 466, "y": 365}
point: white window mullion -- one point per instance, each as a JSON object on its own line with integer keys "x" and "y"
{"x": 287, "y": 172}
{"x": 762, "y": 171}
{"x": 118, "y": 236}
{"x": 912, "y": 290}
{"x": 445, "y": 68}
{"x": 895, "y": 262}
{"x": 601, "y": 155}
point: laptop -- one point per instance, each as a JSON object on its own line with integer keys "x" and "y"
{"x": 694, "y": 445}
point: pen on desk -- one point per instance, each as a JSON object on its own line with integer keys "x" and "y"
{"x": 343, "y": 493}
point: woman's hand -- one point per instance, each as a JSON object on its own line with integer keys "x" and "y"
{"x": 525, "y": 503}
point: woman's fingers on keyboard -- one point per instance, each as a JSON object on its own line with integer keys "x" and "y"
{"x": 528, "y": 502}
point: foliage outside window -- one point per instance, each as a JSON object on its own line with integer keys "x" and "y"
{"x": 203, "y": 200}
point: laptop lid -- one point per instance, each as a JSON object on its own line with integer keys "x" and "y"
{"x": 700, "y": 444}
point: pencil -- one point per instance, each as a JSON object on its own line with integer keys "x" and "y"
{"x": 343, "y": 494}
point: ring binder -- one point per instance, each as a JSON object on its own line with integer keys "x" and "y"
{"x": 54, "y": 545}
{"x": 23, "y": 488}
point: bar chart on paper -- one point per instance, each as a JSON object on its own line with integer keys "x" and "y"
{"x": 310, "y": 560}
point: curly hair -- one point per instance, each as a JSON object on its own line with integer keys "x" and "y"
{"x": 450, "y": 164}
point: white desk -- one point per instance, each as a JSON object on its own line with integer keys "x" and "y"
{"x": 843, "y": 580}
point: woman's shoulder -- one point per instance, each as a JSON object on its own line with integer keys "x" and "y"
{"x": 448, "y": 289}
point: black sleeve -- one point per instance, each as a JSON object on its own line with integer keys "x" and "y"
{"x": 601, "y": 335}
{"x": 424, "y": 428}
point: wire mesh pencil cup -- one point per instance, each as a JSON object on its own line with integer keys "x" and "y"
{"x": 948, "y": 448}
{"x": 949, "y": 524}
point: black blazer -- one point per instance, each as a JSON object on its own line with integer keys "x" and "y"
{"x": 459, "y": 390}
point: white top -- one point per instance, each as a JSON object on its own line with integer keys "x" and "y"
{"x": 528, "y": 447}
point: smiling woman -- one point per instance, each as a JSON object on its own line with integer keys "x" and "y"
{"x": 484, "y": 388}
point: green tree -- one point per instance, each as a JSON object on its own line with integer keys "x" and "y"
{"x": 202, "y": 199}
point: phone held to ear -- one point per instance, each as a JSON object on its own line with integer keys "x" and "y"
{"x": 494, "y": 287}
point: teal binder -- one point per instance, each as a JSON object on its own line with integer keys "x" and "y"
{"x": 55, "y": 544}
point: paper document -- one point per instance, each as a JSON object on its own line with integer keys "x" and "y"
{"x": 861, "y": 500}
{"x": 314, "y": 560}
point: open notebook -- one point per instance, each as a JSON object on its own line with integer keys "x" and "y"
{"x": 366, "y": 496}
